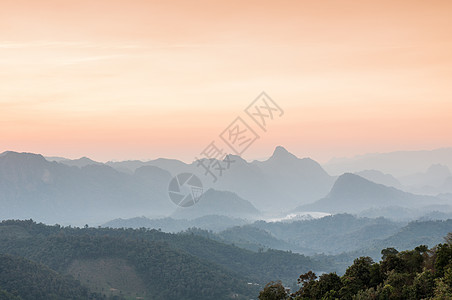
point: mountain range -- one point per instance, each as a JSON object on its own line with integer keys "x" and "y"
{"x": 352, "y": 193}
{"x": 58, "y": 190}
{"x": 32, "y": 187}
{"x": 283, "y": 176}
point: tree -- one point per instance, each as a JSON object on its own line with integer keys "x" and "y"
{"x": 387, "y": 252}
{"x": 357, "y": 276}
{"x": 273, "y": 291}
{"x": 412, "y": 274}
{"x": 305, "y": 278}
{"x": 327, "y": 286}
{"x": 443, "y": 258}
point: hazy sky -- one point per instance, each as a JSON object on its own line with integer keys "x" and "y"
{"x": 144, "y": 79}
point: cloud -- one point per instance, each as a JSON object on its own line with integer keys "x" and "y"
{"x": 88, "y": 59}
{"x": 66, "y": 44}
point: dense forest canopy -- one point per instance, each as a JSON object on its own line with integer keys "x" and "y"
{"x": 413, "y": 274}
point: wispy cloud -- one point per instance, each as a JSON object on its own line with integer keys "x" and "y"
{"x": 74, "y": 61}
{"x": 66, "y": 44}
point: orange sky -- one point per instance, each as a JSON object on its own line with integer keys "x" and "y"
{"x": 145, "y": 79}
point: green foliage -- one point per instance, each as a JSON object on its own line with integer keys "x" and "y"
{"x": 21, "y": 278}
{"x": 4, "y": 295}
{"x": 273, "y": 291}
{"x": 413, "y": 274}
{"x": 388, "y": 252}
{"x": 168, "y": 273}
{"x": 443, "y": 258}
{"x": 172, "y": 266}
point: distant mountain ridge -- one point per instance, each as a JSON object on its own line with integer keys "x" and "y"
{"x": 85, "y": 190}
{"x": 352, "y": 193}
{"x": 215, "y": 202}
{"x": 279, "y": 183}
{"x": 81, "y": 162}
{"x": 380, "y": 178}
{"x": 398, "y": 163}
{"x": 32, "y": 187}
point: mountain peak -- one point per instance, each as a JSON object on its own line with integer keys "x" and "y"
{"x": 235, "y": 158}
{"x": 16, "y": 156}
{"x": 352, "y": 193}
{"x": 354, "y": 179}
{"x": 80, "y": 162}
{"x": 281, "y": 153}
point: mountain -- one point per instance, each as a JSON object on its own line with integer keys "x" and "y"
{"x": 256, "y": 239}
{"x": 298, "y": 180}
{"x": 446, "y": 187}
{"x": 398, "y": 164}
{"x": 135, "y": 266}
{"x": 85, "y": 191}
{"x": 173, "y": 166}
{"x": 331, "y": 234}
{"x": 415, "y": 233}
{"x": 54, "y": 158}
{"x": 170, "y": 266}
{"x": 380, "y": 178}
{"x": 352, "y": 193}
{"x": 81, "y": 162}
{"x": 276, "y": 184}
{"x": 24, "y": 279}
{"x": 435, "y": 175}
{"x": 247, "y": 181}
{"x": 214, "y": 202}
{"x": 213, "y": 223}
{"x": 32, "y": 187}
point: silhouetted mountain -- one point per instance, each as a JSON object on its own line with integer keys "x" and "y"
{"x": 54, "y": 158}
{"x": 277, "y": 184}
{"x": 173, "y": 166}
{"x": 434, "y": 176}
{"x": 352, "y": 193}
{"x": 248, "y": 181}
{"x": 81, "y": 162}
{"x": 83, "y": 190}
{"x": 215, "y": 202}
{"x": 32, "y": 187}
{"x": 298, "y": 180}
{"x": 380, "y": 178}
{"x": 397, "y": 213}
{"x": 274, "y": 185}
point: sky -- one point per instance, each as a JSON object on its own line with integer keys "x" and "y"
{"x": 115, "y": 80}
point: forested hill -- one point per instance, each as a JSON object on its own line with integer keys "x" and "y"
{"x": 412, "y": 274}
{"x": 166, "y": 266}
{"x": 24, "y": 279}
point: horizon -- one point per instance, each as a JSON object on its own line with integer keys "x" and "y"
{"x": 358, "y": 155}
